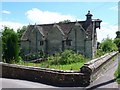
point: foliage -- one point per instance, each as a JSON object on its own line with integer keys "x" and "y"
{"x": 99, "y": 53}
{"x": 21, "y": 31}
{"x": 65, "y": 21}
{"x": 118, "y": 34}
{"x": 108, "y": 45}
{"x": 66, "y": 60}
{"x": 10, "y": 45}
{"x": 117, "y": 42}
{"x": 66, "y": 57}
{"x": 117, "y": 74}
{"x": 33, "y": 56}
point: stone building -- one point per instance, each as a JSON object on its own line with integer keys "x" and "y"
{"x": 80, "y": 36}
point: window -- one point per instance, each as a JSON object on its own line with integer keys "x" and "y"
{"x": 41, "y": 43}
{"x": 68, "y": 42}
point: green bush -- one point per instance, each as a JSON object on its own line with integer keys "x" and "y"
{"x": 108, "y": 45}
{"x": 99, "y": 53}
{"x": 66, "y": 57}
{"x": 117, "y": 42}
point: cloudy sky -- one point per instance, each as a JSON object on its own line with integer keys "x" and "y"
{"x": 17, "y": 14}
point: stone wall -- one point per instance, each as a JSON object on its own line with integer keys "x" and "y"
{"x": 95, "y": 67}
{"x": 47, "y": 76}
{"x": 57, "y": 77}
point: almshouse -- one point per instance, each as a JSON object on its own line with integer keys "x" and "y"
{"x": 80, "y": 36}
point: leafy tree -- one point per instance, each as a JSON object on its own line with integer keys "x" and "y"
{"x": 21, "y": 31}
{"x": 118, "y": 34}
{"x": 117, "y": 42}
{"x": 10, "y": 45}
{"x": 108, "y": 45}
{"x": 65, "y": 21}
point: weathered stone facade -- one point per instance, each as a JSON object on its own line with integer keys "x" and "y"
{"x": 79, "y": 36}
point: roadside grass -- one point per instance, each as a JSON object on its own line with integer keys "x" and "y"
{"x": 117, "y": 74}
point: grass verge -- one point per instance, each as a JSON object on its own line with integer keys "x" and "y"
{"x": 117, "y": 74}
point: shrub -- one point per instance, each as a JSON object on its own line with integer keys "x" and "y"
{"x": 108, "y": 45}
{"x": 66, "y": 57}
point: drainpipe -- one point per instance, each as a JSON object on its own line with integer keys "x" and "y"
{"x": 75, "y": 41}
{"x": 36, "y": 42}
{"x": 93, "y": 40}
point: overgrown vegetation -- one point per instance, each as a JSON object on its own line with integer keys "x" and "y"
{"x": 117, "y": 42}
{"x": 10, "y": 46}
{"x": 117, "y": 74}
{"x": 106, "y": 46}
{"x": 66, "y": 57}
{"x": 67, "y": 60}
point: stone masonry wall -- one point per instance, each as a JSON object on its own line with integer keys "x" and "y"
{"x": 57, "y": 77}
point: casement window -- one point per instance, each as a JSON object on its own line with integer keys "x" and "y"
{"x": 68, "y": 42}
{"x": 41, "y": 43}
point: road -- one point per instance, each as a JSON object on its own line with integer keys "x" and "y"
{"x": 15, "y": 83}
{"x": 107, "y": 79}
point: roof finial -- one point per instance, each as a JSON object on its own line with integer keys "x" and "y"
{"x": 88, "y": 11}
{"x": 89, "y": 16}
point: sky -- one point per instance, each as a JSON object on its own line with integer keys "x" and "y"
{"x": 17, "y": 14}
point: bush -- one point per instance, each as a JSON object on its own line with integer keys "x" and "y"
{"x": 108, "y": 45}
{"x": 99, "y": 53}
{"x": 66, "y": 57}
{"x": 117, "y": 42}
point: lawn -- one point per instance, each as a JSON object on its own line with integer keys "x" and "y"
{"x": 67, "y": 60}
{"x": 73, "y": 66}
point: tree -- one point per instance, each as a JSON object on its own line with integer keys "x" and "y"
{"x": 117, "y": 42}
{"x": 10, "y": 45}
{"x": 21, "y": 31}
{"x": 108, "y": 45}
{"x": 118, "y": 34}
{"x": 117, "y": 39}
{"x": 65, "y": 21}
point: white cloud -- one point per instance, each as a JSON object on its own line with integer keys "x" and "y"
{"x": 6, "y": 12}
{"x": 38, "y": 16}
{"x": 106, "y": 30}
{"x": 14, "y": 25}
{"x": 115, "y": 8}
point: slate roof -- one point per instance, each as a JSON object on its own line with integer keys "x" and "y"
{"x": 45, "y": 28}
{"x": 27, "y": 33}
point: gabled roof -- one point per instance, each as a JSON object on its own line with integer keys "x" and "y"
{"x": 44, "y": 29}
{"x": 27, "y": 32}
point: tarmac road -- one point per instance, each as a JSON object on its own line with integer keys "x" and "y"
{"x": 15, "y": 83}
